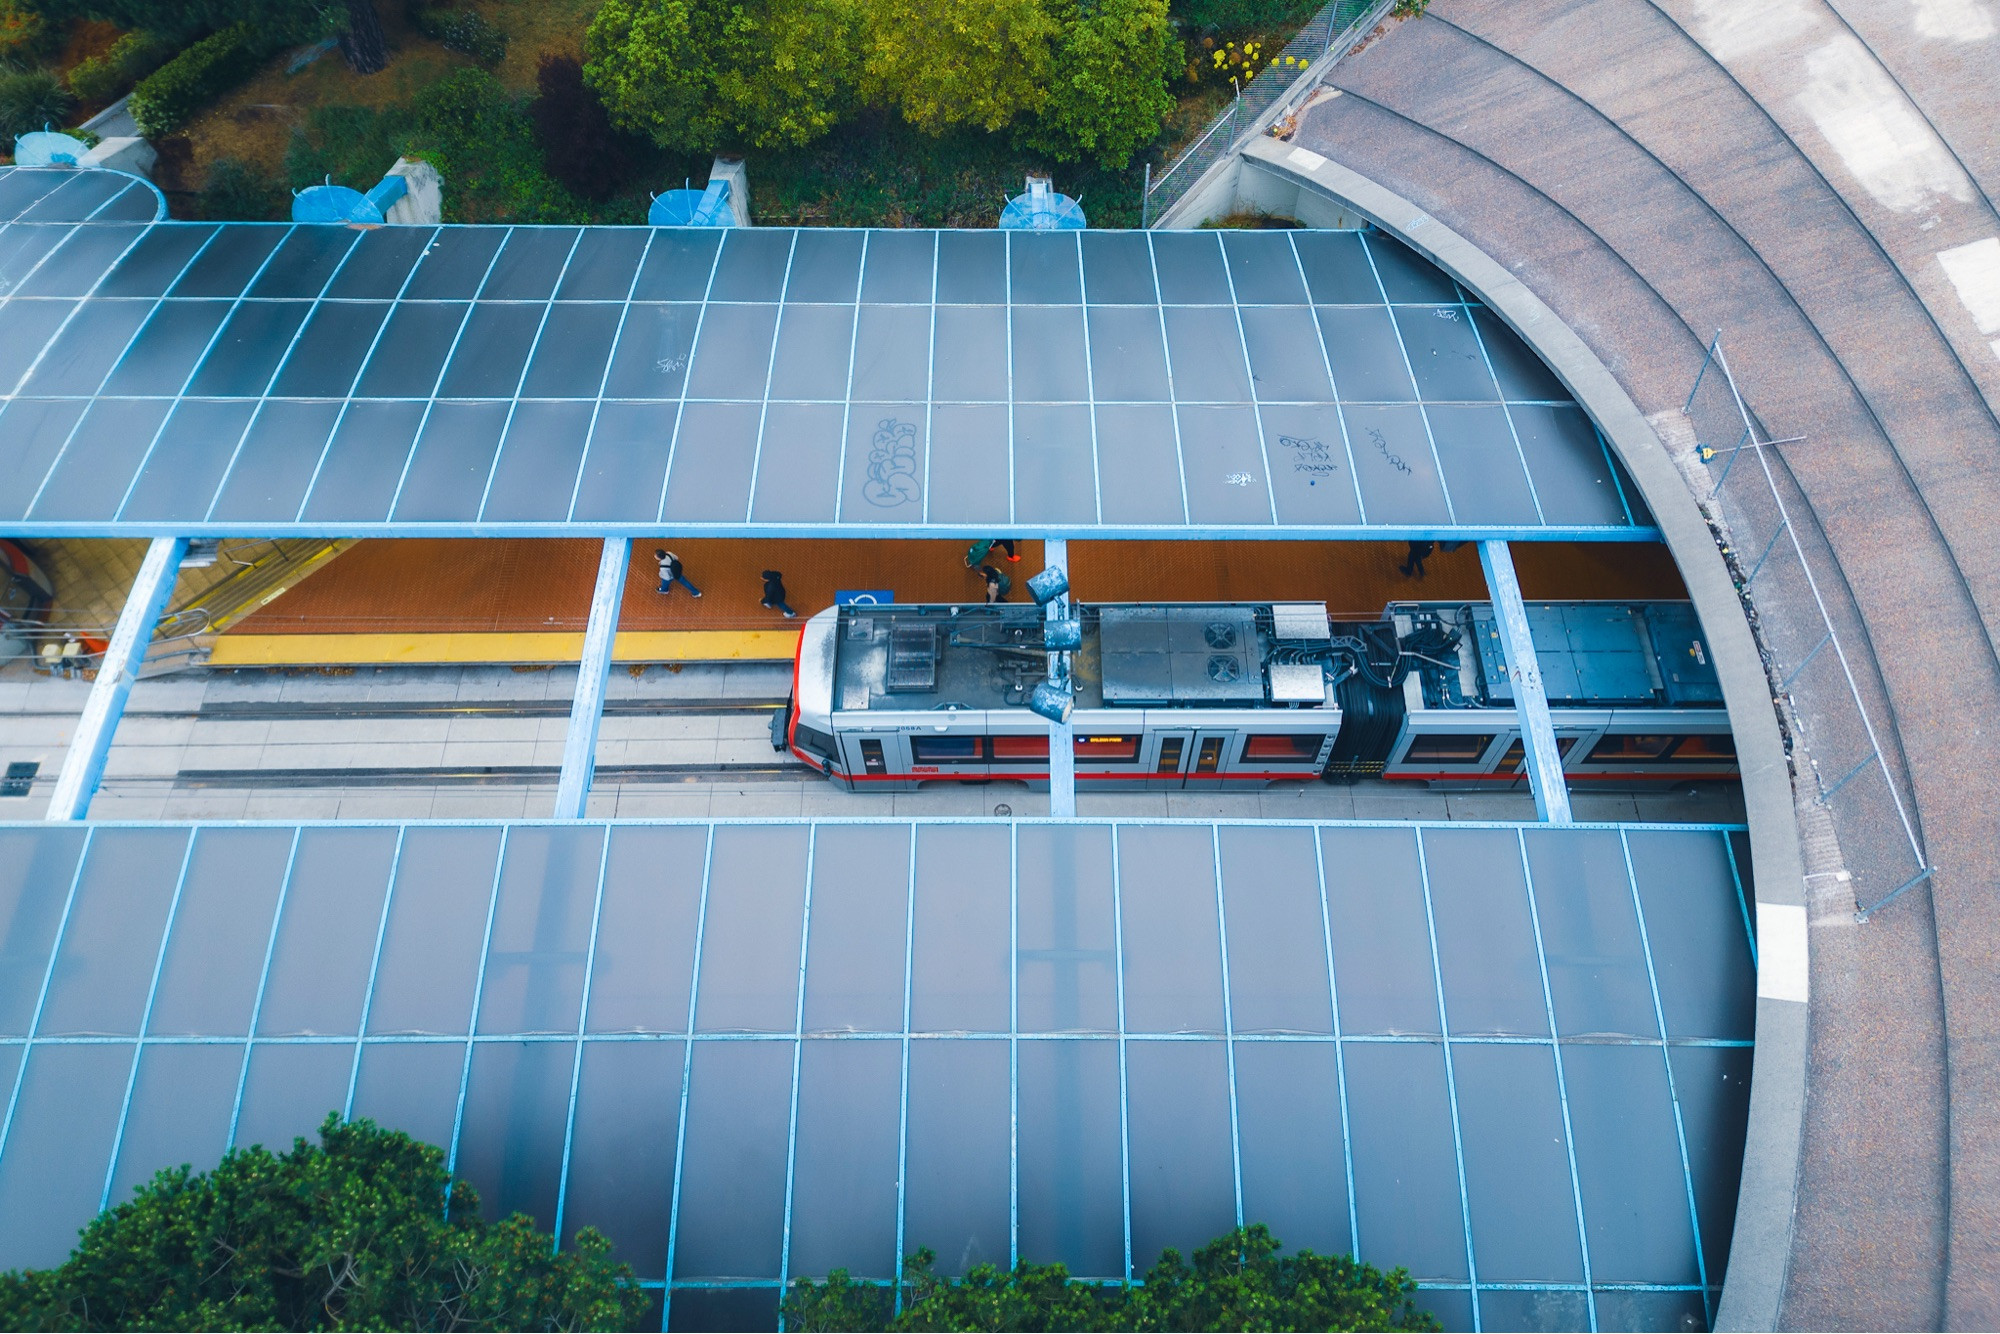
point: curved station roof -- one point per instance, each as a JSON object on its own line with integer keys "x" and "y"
{"x": 1074, "y": 1041}
{"x": 1513, "y": 1058}
{"x": 264, "y": 379}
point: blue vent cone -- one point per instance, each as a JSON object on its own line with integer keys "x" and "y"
{"x": 693, "y": 208}
{"x": 47, "y": 148}
{"x": 334, "y": 204}
{"x": 1041, "y": 209}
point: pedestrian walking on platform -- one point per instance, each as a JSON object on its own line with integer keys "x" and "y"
{"x": 1413, "y": 564}
{"x": 997, "y": 584}
{"x": 672, "y": 572}
{"x": 774, "y": 592}
{"x": 976, "y": 554}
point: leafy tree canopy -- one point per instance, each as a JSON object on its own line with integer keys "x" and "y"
{"x": 1237, "y": 1282}
{"x": 949, "y": 63}
{"x": 703, "y": 75}
{"x": 366, "y": 1230}
{"x": 1110, "y": 87}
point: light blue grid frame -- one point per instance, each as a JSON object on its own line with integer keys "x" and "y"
{"x": 922, "y": 526}
{"x": 1338, "y": 1038}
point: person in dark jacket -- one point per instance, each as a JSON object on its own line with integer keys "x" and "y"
{"x": 774, "y": 592}
{"x": 672, "y": 572}
{"x": 1413, "y": 564}
{"x": 997, "y": 583}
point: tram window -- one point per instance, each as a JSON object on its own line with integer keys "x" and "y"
{"x": 812, "y": 739}
{"x": 871, "y": 758}
{"x": 947, "y": 749}
{"x": 1208, "y": 759}
{"x": 1631, "y": 748}
{"x": 1297, "y": 749}
{"x": 1705, "y": 748}
{"x": 1170, "y": 754}
{"x": 1449, "y": 747}
{"x": 1020, "y": 748}
{"x": 1511, "y": 761}
{"x": 1109, "y": 749}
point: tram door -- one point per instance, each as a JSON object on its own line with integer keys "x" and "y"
{"x": 1198, "y": 758}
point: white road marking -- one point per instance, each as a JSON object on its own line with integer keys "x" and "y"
{"x": 1954, "y": 20}
{"x": 1974, "y": 270}
{"x": 1881, "y": 138}
{"x": 1782, "y": 972}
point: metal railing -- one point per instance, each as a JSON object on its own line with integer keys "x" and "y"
{"x": 1326, "y": 37}
{"x": 1797, "y": 600}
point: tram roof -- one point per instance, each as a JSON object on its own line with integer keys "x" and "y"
{"x": 269, "y": 379}
{"x": 751, "y": 1049}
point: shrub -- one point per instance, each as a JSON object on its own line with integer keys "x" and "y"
{"x": 365, "y": 1230}
{"x": 352, "y": 145}
{"x": 479, "y": 137}
{"x": 24, "y": 34}
{"x": 170, "y": 95}
{"x": 579, "y": 146}
{"x": 464, "y": 31}
{"x": 31, "y": 100}
{"x": 237, "y": 191}
{"x": 1237, "y": 1282}
{"x": 130, "y": 59}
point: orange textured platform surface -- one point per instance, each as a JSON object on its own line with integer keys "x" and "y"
{"x": 516, "y": 586}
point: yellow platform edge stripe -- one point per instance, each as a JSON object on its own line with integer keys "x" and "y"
{"x": 552, "y": 647}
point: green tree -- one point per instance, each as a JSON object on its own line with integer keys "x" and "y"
{"x": 1239, "y": 1281}
{"x": 699, "y": 76}
{"x": 1109, "y": 94}
{"x": 366, "y": 1230}
{"x": 279, "y": 22}
{"x": 941, "y": 64}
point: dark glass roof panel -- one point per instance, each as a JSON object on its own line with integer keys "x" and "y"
{"x": 380, "y": 263}
{"x": 79, "y": 357}
{"x": 167, "y": 349}
{"x": 605, "y": 264}
{"x": 536, "y": 472}
{"x": 530, "y": 264}
{"x": 753, "y": 265}
{"x": 77, "y": 266}
{"x": 1043, "y": 269}
{"x": 330, "y": 348}
{"x": 248, "y": 349}
{"x": 32, "y": 435}
{"x": 226, "y": 264}
{"x": 305, "y": 262}
{"x": 1118, "y": 269}
{"x": 1262, "y": 268}
{"x": 151, "y": 266}
{"x": 571, "y": 351}
{"x": 453, "y": 266}
{"x": 826, "y": 266}
{"x": 179, "y": 478}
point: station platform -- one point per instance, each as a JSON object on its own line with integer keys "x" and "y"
{"x": 526, "y": 601}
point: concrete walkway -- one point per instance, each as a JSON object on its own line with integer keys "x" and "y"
{"x": 1815, "y": 179}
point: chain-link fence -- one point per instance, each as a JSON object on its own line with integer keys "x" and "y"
{"x": 1845, "y": 753}
{"x": 1327, "y": 36}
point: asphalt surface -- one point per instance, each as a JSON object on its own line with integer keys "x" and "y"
{"x": 1787, "y": 173}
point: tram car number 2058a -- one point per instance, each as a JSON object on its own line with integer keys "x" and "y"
{"x": 1226, "y": 695}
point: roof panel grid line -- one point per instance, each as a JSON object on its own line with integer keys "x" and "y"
{"x": 1136, "y": 871}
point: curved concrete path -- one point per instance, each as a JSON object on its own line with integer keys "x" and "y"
{"x": 1814, "y": 177}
